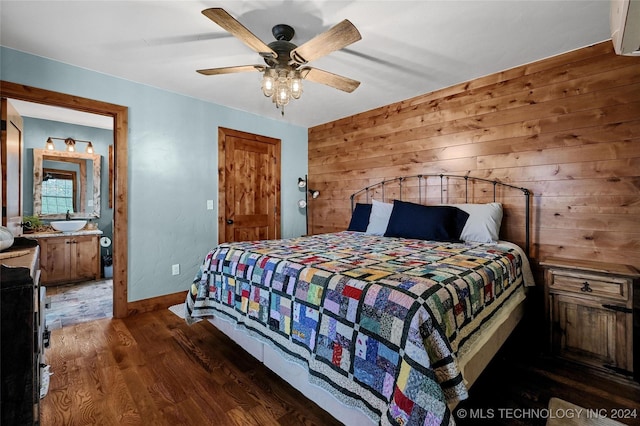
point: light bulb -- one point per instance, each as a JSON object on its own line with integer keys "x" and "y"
{"x": 296, "y": 85}
{"x": 268, "y": 83}
{"x": 283, "y": 94}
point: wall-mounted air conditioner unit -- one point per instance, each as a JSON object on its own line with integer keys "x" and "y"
{"x": 625, "y": 26}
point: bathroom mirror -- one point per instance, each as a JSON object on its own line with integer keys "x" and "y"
{"x": 66, "y": 181}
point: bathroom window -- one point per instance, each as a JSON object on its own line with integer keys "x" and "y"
{"x": 58, "y": 191}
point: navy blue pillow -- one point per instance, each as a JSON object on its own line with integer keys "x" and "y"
{"x": 360, "y": 218}
{"x": 436, "y": 223}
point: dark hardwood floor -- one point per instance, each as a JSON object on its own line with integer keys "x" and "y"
{"x": 153, "y": 369}
{"x": 518, "y": 383}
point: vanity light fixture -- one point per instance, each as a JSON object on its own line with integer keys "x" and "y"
{"x": 70, "y": 143}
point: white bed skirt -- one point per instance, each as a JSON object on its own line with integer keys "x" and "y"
{"x": 476, "y": 357}
{"x": 293, "y": 373}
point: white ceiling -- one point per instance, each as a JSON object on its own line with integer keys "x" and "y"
{"x": 408, "y": 48}
{"x": 46, "y": 112}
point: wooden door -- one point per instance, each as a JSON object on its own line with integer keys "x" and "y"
{"x": 11, "y": 166}
{"x": 249, "y": 186}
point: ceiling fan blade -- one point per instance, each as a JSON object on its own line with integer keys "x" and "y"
{"x": 327, "y": 78}
{"x": 229, "y": 23}
{"x": 335, "y": 38}
{"x": 230, "y": 70}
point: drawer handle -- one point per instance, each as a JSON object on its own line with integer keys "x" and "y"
{"x": 586, "y": 287}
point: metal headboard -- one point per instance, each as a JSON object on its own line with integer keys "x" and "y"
{"x": 422, "y": 181}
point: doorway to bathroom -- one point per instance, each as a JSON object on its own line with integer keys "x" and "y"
{"x": 117, "y": 170}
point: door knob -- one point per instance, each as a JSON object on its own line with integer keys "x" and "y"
{"x": 229, "y": 221}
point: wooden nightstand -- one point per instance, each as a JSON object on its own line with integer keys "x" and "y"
{"x": 590, "y": 312}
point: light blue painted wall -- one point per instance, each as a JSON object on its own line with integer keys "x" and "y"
{"x": 172, "y": 161}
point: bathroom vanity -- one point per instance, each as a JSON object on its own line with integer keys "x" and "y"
{"x": 67, "y": 257}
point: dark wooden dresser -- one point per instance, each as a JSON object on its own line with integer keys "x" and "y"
{"x": 23, "y": 329}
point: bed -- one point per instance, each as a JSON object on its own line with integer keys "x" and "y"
{"x": 388, "y": 322}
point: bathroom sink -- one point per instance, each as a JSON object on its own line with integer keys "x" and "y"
{"x": 68, "y": 225}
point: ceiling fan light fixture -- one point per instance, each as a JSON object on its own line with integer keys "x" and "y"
{"x": 286, "y": 62}
{"x": 282, "y": 85}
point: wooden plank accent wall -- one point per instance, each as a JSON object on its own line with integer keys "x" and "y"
{"x": 566, "y": 127}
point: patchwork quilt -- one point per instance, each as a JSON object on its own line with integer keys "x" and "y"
{"x": 375, "y": 320}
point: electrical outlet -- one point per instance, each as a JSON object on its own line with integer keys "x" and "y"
{"x": 209, "y": 204}
{"x": 175, "y": 269}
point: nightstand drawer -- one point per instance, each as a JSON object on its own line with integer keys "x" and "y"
{"x": 590, "y": 285}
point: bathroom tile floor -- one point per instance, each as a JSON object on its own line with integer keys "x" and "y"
{"x": 80, "y": 302}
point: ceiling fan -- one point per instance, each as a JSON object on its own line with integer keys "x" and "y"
{"x": 286, "y": 63}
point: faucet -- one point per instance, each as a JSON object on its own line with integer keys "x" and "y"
{"x": 68, "y": 216}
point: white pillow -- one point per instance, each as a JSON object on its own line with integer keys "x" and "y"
{"x": 379, "y": 218}
{"x": 483, "y": 225}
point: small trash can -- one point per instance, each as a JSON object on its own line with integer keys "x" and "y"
{"x": 107, "y": 266}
